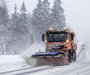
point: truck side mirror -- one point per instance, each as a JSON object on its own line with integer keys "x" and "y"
{"x": 43, "y": 37}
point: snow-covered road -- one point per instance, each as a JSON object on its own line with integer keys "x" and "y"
{"x": 71, "y": 69}
{"x": 24, "y": 70}
{"x": 15, "y": 65}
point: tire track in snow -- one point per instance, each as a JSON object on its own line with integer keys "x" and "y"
{"x": 33, "y": 71}
{"x": 16, "y": 70}
{"x": 25, "y": 70}
{"x": 70, "y": 71}
{"x": 84, "y": 72}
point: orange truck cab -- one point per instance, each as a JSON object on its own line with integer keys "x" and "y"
{"x": 61, "y": 41}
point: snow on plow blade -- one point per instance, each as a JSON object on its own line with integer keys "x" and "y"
{"x": 54, "y": 58}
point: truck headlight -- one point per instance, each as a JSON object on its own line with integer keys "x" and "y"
{"x": 67, "y": 41}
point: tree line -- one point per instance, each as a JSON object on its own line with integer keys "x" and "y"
{"x": 19, "y": 30}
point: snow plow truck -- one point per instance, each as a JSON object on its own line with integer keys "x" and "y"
{"x": 60, "y": 48}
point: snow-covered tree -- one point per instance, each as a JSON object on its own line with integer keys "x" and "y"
{"x": 36, "y": 19}
{"x": 4, "y": 24}
{"x": 30, "y": 28}
{"x": 58, "y": 17}
{"x": 46, "y": 13}
{"x": 4, "y": 17}
{"x": 15, "y": 19}
{"x": 40, "y": 18}
{"x": 23, "y": 19}
{"x": 21, "y": 30}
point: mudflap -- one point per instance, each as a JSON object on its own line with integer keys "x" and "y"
{"x": 58, "y": 59}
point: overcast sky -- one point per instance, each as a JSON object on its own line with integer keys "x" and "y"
{"x": 77, "y": 14}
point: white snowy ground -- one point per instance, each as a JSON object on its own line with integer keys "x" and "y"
{"x": 11, "y": 62}
{"x": 16, "y": 65}
{"x": 16, "y": 62}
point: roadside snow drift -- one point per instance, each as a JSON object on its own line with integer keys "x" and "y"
{"x": 88, "y": 52}
{"x": 81, "y": 57}
{"x": 11, "y": 62}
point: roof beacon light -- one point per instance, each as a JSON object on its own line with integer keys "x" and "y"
{"x": 50, "y": 29}
{"x": 65, "y": 28}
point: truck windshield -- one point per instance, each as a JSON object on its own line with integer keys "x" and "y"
{"x": 56, "y": 37}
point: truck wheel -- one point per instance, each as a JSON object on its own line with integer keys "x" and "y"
{"x": 74, "y": 56}
{"x": 69, "y": 56}
{"x": 69, "y": 60}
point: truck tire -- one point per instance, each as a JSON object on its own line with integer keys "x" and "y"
{"x": 69, "y": 56}
{"x": 74, "y": 56}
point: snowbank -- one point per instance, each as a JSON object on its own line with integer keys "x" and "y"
{"x": 84, "y": 52}
{"x": 78, "y": 47}
{"x": 81, "y": 57}
{"x": 11, "y": 62}
{"x": 88, "y": 52}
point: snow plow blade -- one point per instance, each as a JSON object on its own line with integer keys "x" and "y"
{"x": 43, "y": 54}
{"x": 53, "y": 58}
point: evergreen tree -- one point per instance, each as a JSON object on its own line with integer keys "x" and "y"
{"x": 23, "y": 19}
{"x": 40, "y": 19}
{"x": 46, "y": 13}
{"x": 15, "y": 19}
{"x": 4, "y": 24}
{"x": 4, "y": 17}
{"x": 58, "y": 18}
{"x": 36, "y": 20}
